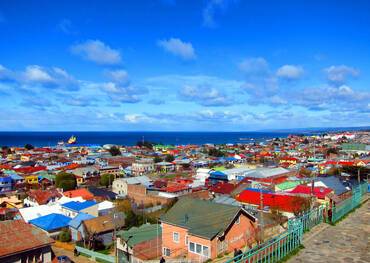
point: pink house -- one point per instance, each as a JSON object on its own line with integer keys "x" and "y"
{"x": 200, "y": 230}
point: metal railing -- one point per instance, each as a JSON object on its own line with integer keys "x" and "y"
{"x": 95, "y": 255}
{"x": 340, "y": 210}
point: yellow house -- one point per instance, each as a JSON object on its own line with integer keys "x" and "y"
{"x": 32, "y": 179}
{"x": 25, "y": 158}
{"x": 80, "y": 180}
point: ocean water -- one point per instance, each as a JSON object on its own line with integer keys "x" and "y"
{"x": 131, "y": 138}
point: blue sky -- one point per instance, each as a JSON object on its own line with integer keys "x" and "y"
{"x": 211, "y": 65}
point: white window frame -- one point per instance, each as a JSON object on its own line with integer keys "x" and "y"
{"x": 165, "y": 249}
{"x": 202, "y": 249}
{"x": 237, "y": 221}
{"x": 178, "y": 236}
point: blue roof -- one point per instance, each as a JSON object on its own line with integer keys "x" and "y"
{"x": 78, "y": 206}
{"x": 265, "y": 191}
{"x": 15, "y": 176}
{"x": 51, "y": 222}
{"x": 76, "y": 222}
{"x": 218, "y": 174}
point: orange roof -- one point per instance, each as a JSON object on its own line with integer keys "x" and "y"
{"x": 83, "y": 192}
{"x": 69, "y": 167}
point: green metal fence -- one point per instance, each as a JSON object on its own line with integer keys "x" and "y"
{"x": 95, "y": 255}
{"x": 274, "y": 249}
{"x": 340, "y": 210}
{"x": 309, "y": 219}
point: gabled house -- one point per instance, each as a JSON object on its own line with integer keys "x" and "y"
{"x": 76, "y": 227}
{"x": 140, "y": 244}
{"x": 51, "y": 224}
{"x": 71, "y": 209}
{"x": 41, "y": 197}
{"x": 200, "y": 230}
{"x": 21, "y": 242}
{"x": 100, "y": 229}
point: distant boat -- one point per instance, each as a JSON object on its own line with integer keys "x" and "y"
{"x": 243, "y": 139}
{"x": 60, "y": 143}
{"x": 72, "y": 140}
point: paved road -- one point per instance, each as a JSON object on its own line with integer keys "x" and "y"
{"x": 347, "y": 242}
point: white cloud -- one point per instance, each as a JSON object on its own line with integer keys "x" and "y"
{"x": 290, "y": 72}
{"x": 35, "y": 73}
{"x": 123, "y": 94}
{"x": 98, "y": 52}
{"x": 178, "y": 48}
{"x": 339, "y": 74}
{"x": 205, "y": 96}
{"x": 256, "y": 65}
{"x": 118, "y": 76}
{"x": 65, "y": 25}
{"x": 211, "y": 8}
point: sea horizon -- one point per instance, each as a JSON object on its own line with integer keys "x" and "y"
{"x": 129, "y": 138}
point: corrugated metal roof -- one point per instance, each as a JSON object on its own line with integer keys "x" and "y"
{"x": 51, "y": 222}
{"x": 200, "y": 217}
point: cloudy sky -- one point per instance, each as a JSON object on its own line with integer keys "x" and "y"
{"x": 202, "y": 65}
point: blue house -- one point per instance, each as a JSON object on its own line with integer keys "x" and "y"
{"x": 5, "y": 184}
{"x": 76, "y": 227}
{"x": 72, "y": 208}
{"x": 52, "y": 223}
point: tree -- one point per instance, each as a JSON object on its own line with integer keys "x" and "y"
{"x": 145, "y": 144}
{"x": 215, "y": 152}
{"x": 29, "y": 146}
{"x": 169, "y": 158}
{"x": 158, "y": 159}
{"x": 66, "y": 181}
{"x": 64, "y": 235}
{"x": 114, "y": 151}
{"x": 106, "y": 179}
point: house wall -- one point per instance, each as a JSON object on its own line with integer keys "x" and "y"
{"x": 139, "y": 194}
{"x": 177, "y": 249}
{"x": 204, "y": 242}
{"x": 240, "y": 234}
{"x": 92, "y": 210}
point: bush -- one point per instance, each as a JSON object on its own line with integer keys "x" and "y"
{"x": 106, "y": 180}
{"x": 114, "y": 151}
{"x": 64, "y": 236}
{"x": 66, "y": 181}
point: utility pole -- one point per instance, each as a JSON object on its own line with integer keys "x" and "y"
{"x": 261, "y": 226}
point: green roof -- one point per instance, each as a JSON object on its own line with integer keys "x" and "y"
{"x": 201, "y": 218}
{"x": 288, "y": 185}
{"x": 219, "y": 168}
{"x": 140, "y": 234}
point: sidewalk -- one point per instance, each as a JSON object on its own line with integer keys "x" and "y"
{"x": 346, "y": 242}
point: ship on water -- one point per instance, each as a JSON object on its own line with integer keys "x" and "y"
{"x": 72, "y": 140}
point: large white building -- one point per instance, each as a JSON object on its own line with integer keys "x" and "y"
{"x": 143, "y": 166}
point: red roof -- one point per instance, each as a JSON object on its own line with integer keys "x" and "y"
{"x": 283, "y": 202}
{"x": 222, "y": 188}
{"x": 30, "y": 169}
{"x": 69, "y": 167}
{"x": 43, "y": 196}
{"x": 176, "y": 188}
{"x": 17, "y": 236}
{"x": 320, "y": 192}
{"x": 83, "y": 192}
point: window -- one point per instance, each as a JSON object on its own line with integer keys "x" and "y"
{"x": 205, "y": 251}
{"x": 199, "y": 249}
{"x": 237, "y": 221}
{"x": 166, "y": 252}
{"x": 192, "y": 247}
{"x": 186, "y": 240}
{"x": 176, "y": 237}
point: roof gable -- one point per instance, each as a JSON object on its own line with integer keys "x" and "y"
{"x": 201, "y": 218}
